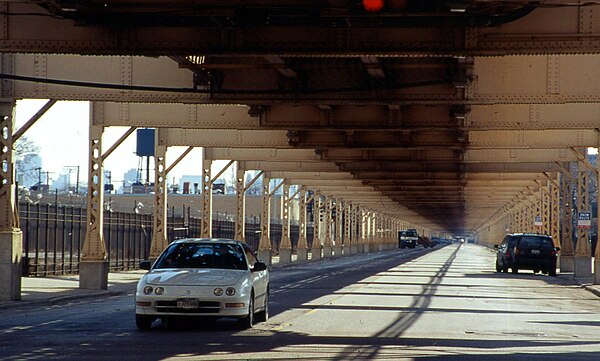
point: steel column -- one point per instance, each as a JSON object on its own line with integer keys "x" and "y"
{"x": 11, "y": 237}
{"x": 327, "y": 243}
{"x": 347, "y": 228}
{"x": 583, "y": 257}
{"x": 285, "y": 247}
{"x": 240, "y": 208}
{"x": 302, "y": 248}
{"x": 316, "y": 243}
{"x": 93, "y": 268}
{"x": 159, "y": 237}
{"x": 264, "y": 246}
{"x": 339, "y": 229}
{"x": 206, "y": 223}
{"x": 567, "y": 252}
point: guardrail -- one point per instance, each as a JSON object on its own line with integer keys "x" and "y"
{"x": 53, "y": 236}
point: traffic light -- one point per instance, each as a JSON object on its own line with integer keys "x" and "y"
{"x": 373, "y": 5}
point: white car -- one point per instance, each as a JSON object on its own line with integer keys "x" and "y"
{"x": 203, "y": 278}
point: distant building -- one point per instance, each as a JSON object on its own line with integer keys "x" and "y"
{"x": 190, "y": 184}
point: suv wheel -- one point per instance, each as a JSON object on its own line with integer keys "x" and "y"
{"x": 515, "y": 270}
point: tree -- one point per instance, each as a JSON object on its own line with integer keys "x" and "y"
{"x": 27, "y": 159}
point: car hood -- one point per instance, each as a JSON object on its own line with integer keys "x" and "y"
{"x": 194, "y": 277}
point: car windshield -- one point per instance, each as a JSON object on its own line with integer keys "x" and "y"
{"x": 411, "y": 233}
{"x": 536, "y": 242}
{"x": 203, "y": 255}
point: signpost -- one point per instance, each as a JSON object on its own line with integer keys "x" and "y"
{"x": 584, "y": 220}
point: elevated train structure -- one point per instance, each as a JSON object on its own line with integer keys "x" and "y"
{"x": 453, "y": 117}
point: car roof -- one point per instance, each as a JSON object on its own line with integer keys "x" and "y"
{"x": 208, "y": 240}
{"x": 530, "y": 234}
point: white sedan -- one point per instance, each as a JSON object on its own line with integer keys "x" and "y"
{"x": 203, "y": 278}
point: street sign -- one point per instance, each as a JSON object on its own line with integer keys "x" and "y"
{"x": 584, "y": 220}
{"x": 538, "y": 221}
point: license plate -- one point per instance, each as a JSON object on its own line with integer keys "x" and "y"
{"x": 188, "y": 303}
{"x": 535, "y": 251}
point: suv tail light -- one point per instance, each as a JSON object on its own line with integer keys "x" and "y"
{"x": 507, "y": 254}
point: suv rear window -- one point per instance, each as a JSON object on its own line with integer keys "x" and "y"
{"x": 536, "y": 242}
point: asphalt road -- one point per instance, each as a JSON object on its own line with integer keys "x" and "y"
{"x": 445, "y": 304}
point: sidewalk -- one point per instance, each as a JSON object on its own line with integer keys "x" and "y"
{"x": 57, "y": 289}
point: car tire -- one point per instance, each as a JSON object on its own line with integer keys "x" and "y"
{"x": 515, "y": 270}
{"x": 535, "y": 271}
{"x": 248, "y": 321}
{"x": 498, "y": 268}
{"x": 263, "y": 316}
{"x": 144, "y": 322}
{"x": 552, "y": 272}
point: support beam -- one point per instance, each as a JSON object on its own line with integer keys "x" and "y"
{"x": 119, "y": 142}
{"x": 33, "y": 119}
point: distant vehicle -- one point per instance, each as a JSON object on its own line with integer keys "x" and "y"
{"x": 408, "y": 238}
{"x": 426, "y": 242}
{"x": 529, "y": 251}
{"x": 203, "y": 278}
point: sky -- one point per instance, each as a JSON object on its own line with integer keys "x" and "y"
{"x": 62, "y": 135}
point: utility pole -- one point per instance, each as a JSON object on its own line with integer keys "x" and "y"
{"x": 70, "y": 169}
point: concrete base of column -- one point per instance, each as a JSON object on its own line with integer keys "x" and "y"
{"x": 11, "y": 248}
{"x": 264, "y": 255}
{"x": 354, "y": 248}
{"x": 567, "y": 263}
{"x": 597, "y": 272}
{"x": 327, "y": 251}
{"x": 301, "y": 254}
{"x": 380, "y": 247}
{"x": 285, "y": 255}
{"x": 583, "y": 267}
{"x": 316, "y": 254}
{"x": 337, "y": 250}
{"x": 93, "y": 275}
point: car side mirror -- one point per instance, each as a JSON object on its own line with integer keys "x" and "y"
{"x": 145, "y": 265}
{"x": 495, "y": 246}
{"x": 259, "y": 266}
{"x": 557, "y": 249}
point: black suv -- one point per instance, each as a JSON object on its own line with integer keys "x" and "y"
{"x": 527, "y": 251}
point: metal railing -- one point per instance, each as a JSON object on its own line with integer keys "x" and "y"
{"x": 53, "y": 236}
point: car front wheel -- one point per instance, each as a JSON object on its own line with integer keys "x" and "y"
{"x": 515, "y": 270}
{"x": 144, "y": 322}
{"x": 248, "y": 321}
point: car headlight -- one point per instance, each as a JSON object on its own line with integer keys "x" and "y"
{"x": 218, "y": 291}
{"x": 230, "y": 291}
{"x": 148, "y": 290}
{"x": 159, "y": 290}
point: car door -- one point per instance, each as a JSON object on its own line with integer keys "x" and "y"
{"x": 259, "y": 278}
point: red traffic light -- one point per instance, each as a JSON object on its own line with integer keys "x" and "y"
{"x": 373, "y": 5}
